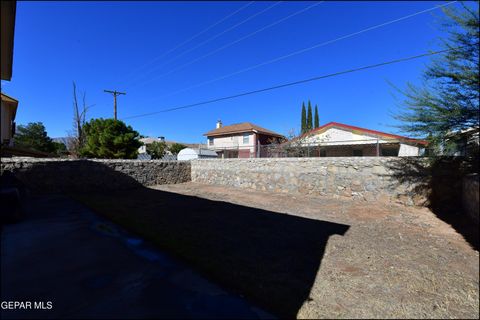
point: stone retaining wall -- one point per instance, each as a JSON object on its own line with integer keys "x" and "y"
{"x": 56, "y": 175}
{"x": 404, "y": 180}
{"x": 471, "y": 196}
{"x": 407, "y": 180}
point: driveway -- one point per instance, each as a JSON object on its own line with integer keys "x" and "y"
{"x": 87, "y": 267}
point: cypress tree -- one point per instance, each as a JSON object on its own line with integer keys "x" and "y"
{"x": 317, "y": 122}
{"x": 304, "y": 118}
{"x": 309, "y": 117}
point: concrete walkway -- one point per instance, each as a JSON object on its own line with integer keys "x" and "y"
{"x": 88, "y": 267}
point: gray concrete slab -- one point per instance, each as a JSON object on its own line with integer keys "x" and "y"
{"x": 88, "y": 267}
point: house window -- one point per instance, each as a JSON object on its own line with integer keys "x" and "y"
{"x": 323, "y": 153}
{"x": 246, "y": 138}
{"x": 357, "y": 152}
{"x": 210, "y": 141}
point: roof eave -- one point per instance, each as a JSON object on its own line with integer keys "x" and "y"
{"x": 242, "y": 131}
{"x": 8, "y": 13}
{"x": 211, "y": 134}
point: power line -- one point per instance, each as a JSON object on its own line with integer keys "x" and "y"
{"x": 213, "y": 38}
{"x": 307, "y": 49}
{"x": 295, "y": 83}
{"x": 234, "y": 42}
{"x": 193, "y": 37}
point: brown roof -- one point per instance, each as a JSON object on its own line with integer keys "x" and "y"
{"x": 239, "y": 128}
{"x": 9, "y": 99}
{"x": 13, "y": 103}
{"x": 7, "y": 32}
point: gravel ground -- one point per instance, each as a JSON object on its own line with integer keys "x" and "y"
{"x": 392, "y": 262}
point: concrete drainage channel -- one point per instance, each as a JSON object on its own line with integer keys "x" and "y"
{"x": 89, "y": 267}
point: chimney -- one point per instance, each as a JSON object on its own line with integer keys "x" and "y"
{"x": 219, "y": 124}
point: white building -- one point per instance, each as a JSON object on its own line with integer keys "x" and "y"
{"x": 340, "y": 140}
{"x": 149, "y": 140}
{"x": 190, "y": 154}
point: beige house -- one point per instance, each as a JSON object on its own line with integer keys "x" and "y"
{"x": 241, "y": 140}
{"x": 8, "y": 111}
{"x": 341, "y": 140}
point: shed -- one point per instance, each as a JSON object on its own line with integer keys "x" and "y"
{"x": 189, "y": 154}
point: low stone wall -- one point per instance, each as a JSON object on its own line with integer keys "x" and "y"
{"x": 404, "y": 180}
{"x": 407, "y": 180}
{"x": 471, "y": 196}
{"x": 57, "y": 175}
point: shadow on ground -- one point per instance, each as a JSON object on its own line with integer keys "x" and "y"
{"x": 270, "y": 258}
{"x": 439, "y": 182}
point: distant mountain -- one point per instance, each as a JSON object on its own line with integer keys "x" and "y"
{"x": 148, "y": 140}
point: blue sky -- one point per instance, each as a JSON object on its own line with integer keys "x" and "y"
{"x": 108, "y": 45}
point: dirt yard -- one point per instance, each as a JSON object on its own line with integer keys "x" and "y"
{"x": 309, "y": 257}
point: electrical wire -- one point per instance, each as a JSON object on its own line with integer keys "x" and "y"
{"x": 294, "y": 83}
{"x": 304, "y": 50}
{"x": 191, "y": 38}
{"x": 209, "y": 40}
{"x": 233, "y": 42}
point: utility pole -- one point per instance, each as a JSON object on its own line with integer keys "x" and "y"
{"x": 115, "y": 94}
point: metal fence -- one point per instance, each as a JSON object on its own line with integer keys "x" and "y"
{"x": 295, "y": 148}
{"x": 343, "y": 148}
{"x": 330, "y": 149}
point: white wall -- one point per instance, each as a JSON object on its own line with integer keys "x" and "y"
{"x": 408, "y": 151}
{"x": 335, "y": 136}
{"x": 234, "y": 141}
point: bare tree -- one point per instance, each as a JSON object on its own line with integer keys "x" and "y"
{"x": 293, "y": 147}
{"x": 79, "y": 117}
{"x": 277, "y": 147}
{"x": 296, "y": 145}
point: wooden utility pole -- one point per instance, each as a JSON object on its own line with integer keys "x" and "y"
{"x": 115, "y": 94}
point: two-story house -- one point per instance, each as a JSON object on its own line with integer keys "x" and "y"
{"x": 8, "y": 104}
{"x": 7, "y": 118}
{"x": 241, "y": 140}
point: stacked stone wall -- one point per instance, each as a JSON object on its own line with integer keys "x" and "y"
{"x": 47, "y": 175}
{"x": 470, "y": 196}
{"x": 403, "y": 180}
